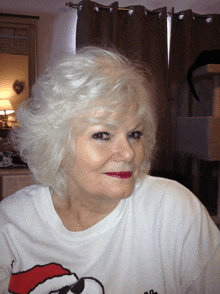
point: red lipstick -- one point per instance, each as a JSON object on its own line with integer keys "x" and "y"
{"x": 122, "y": 174}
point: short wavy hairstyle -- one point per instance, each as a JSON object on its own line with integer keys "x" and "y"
{"x": 64, "y": 100}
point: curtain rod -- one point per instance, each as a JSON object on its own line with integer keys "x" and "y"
{"x": 76, "y": 6}
{"x": 181, "y": 13}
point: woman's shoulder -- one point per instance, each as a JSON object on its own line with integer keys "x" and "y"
{"x": 173, "y": 204}
{"x": 161, "y": 187}
{"x": 22, "y": 202}
{"x": 168, "y": 196}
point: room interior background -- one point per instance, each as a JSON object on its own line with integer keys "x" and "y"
{"x": 140, "y": 32}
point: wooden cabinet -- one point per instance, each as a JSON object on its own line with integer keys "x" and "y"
{"x": 14, "y": 179}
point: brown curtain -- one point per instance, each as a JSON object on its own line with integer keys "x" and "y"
{"x": 141, "y": 35}
{"x": 192, "y": 34}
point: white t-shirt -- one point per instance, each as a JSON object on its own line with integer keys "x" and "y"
{"x": 159, "y": 240}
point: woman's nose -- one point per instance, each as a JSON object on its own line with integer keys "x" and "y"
{"x": 123, "y": 151}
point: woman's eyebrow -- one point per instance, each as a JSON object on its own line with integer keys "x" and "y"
{"x": 137, "y": 126}
{"x": 113, "y": 126}
{"x": 110, "y": 125}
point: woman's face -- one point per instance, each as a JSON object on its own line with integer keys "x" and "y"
{"x": 107, "y": 161}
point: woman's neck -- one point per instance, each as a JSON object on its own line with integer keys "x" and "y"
{"x": 79, "y": 215}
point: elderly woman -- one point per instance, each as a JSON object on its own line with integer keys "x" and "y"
{"x": 96, "y": 222}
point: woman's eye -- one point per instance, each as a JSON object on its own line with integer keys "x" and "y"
{"x": 135, "y": 135}
{"x": 101, "y": 136}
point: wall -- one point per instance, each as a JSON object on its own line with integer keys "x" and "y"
{"x": 45, "y": 28}
{"x": 13, "y": 67}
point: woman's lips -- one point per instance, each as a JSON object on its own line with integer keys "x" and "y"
{"x": 122, "y": 175}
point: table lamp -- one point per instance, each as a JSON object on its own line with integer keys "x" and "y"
{"x": 5, "y": 109}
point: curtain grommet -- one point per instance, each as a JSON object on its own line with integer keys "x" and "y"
{"x": 96, "y": 9}
{"x": 130, "y": 12}
{"x": 181, "y": 16}
{"x": 208, "y": 19}
{"x": 80, "y": 8}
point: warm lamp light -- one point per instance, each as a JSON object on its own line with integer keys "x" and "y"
{"x": 5, "y": 94}
{"x": 5, "y": 107}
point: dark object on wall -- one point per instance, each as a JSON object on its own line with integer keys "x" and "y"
{"x": 18, "y": 87}
{"x": 204, "y": 58}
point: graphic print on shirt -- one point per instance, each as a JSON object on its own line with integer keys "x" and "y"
{"x": 52, "y": 278}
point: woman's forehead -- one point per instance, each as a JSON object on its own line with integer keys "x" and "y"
{"x": 113, "y": 110}
{"x": 113, "y": 118}
{"x": 112, "y": 123}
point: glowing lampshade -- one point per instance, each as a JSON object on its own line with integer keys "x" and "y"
{"x": 5, "y": 107}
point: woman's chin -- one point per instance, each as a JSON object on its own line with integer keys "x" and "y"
{"x": 120, "y": 193}
{"x": 119, "y": 188}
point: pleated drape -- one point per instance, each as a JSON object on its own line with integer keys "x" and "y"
{"x": 141, "y": 35}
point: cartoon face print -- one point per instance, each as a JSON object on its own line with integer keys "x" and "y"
{"x": 84, "y": 286}
{"x": 53, "y": 279}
